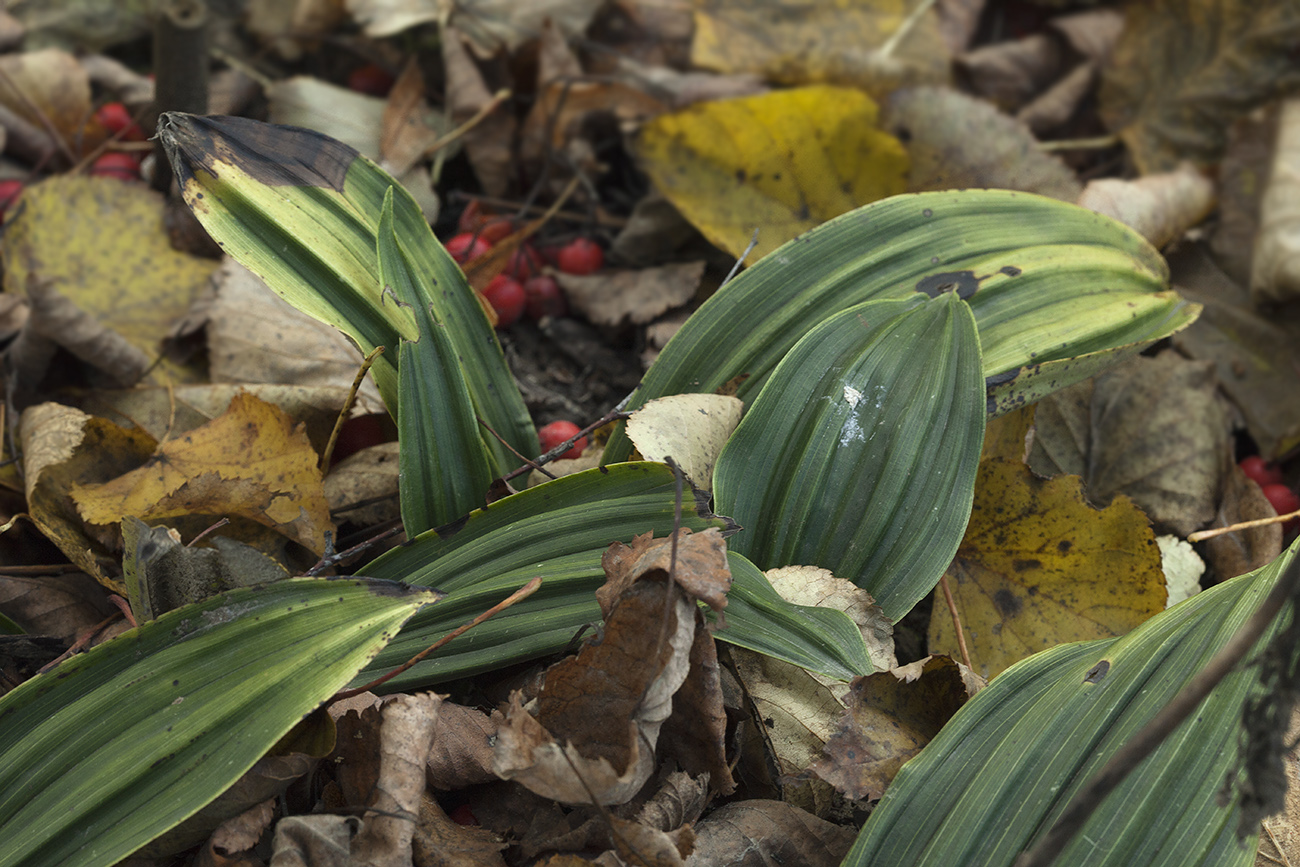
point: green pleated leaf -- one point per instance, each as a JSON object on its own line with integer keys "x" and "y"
{"x": 1046, "y": 281}
{"x": 558, "y": 531}
{"x": 302, "y": 211}
{"x": 115, "y": 746}
{"x": 1001, "y": 771}
{"x": 819, "y": 639}
{"x": 859, "y": 455}
{"x": 443, "y": 465}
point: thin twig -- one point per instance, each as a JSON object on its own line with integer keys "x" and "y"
{"x": 217, "y": 526}
{"x": 612, "y": 415}
{"x": 753, "y": 242}
{"x": 514, "y": 451}
{"x": 1071, "y": 144}
{"x": 1244, "y": 525}
{"x": 481, "y": 115}
{"x": 351, "y": 401}
{"x": 522, "y": 593}
{"x": 956, "y": 620}
{"x": 1159, "y": 727}
{"x": 331, "y": 560}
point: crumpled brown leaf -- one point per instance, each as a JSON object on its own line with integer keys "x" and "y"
{"x": 599, "y": 714}
{"x": 889, "y": 717}
{"x": 1151, "y": 428}
{"x": 461, "y": 753}
{"x": 701, "y": 570}
{"x": 616, "y": 297}
{"x": 761, "y": 833}
{"x": 488, "y": 144}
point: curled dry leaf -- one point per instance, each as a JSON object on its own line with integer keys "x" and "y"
{"x": 441, "y": 842}
{"x": 461, "y": 753}
{"x": 889, "y": 717}
{"x": 680, "y": 800}
{"x": 701, "y": 569}
{"x": 369, "y": 477}
{"x": 404, "y": 738}
{"x": 1158, "y": 207}
{"x": 1242, "y": 551}
{"x": 1275, "y": 273}
{"x": 689, "y": 428}
{"x": 320, "y": 840}
{"x": 618, "y": 297}
{"x": 488, "y": 144}
{"x": 599, "y": 714}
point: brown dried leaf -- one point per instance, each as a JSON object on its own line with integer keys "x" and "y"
{"x": 680, "y": 800}
{"x": 369, "y": 475}
{"x": 1255, "y": 356}
{"x": 1011, "y": 73}
{"x": 314, "y": 841}
{"x": 1184, "y": 70}
{"x": 615, "y": 297}
{"x": 761, "y": 833}
{"x": 812, "y": 585}
{"x": 1158, "y": 207}
{"x": 241, "y": 833}
{"x": 695, "y": 736}
{"x": 254, "y": 336}
{"x": 640, "y": 844}
{"x": 1243, "y": 551}
{"x": 57, "y": 318}
{"x": 701, "y": 570}
{"x": 441, "y": 842}
{"x": 49, "y": 85}
{"x": 1151, "y": 428}
{"x": 404, "y": 737}
{"x": 406, "y": 137}
{"x": 599, "y": 714}
{"x": 461, "y": 753}
{"x": 63, "y": 448}
{"x": 488, "y": 144}
{"x": 59, "y": 606}
{"x": 890, "y": 716}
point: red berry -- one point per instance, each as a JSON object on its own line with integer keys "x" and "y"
{"x": 1261, "y": 471}
{"x": 524, "y": 262}
{"x": 489, "y": 227}
{"x": 1283, "y": 499}
{"x": 507, "y": 298}
{"x": 9, "y": 190}
{"x": 463, "y": 815}
{"x": 466, "y": 246}
{"x": 580, "y": 256}
{"x": 115, "y": 117}
{"x": 544, "y": 297}
{"x": 116, "y": 165}
{"x": 558, "y": 432}
{"x": 370, "y": 79}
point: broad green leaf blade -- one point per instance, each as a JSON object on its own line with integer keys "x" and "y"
{"x": 116, "y": 746}
{"x": 302, "y": 211}
{"x": 559, "y": 530}
{"x": 1002, "y": 770}
{"x": 859, "y": 455}
{"x": 819, "y": 639}
{"x": 443, "y": 466}
{"x": 1020, "y": 260}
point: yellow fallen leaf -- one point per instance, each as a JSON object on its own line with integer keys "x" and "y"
{"x": 1040, "y": 567}
{"x": 249, "y": 462}
{"x": 101, "y": 244}
{"x": 781, "y": 163}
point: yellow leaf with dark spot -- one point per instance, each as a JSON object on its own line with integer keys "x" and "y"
{"x": 1039, "y": 567}
{"x": 781, "y": 163}
{"x": 250, "y": 462}
{"x": 100, "y": 243}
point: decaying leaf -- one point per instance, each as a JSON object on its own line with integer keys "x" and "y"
{"x": 461, "y": 752}
{"x": 488, "y": 144}
{"x": 956, "y": 141}
{"x": 1151, "y": 428}
{"x": 1242, "y": 551}
{"x": 250, "y": 462}
{"x": 385, "y": 840}
{"x": 768, "y": 832}
{"x": 59, "y": 606}
{"x": 699, "y": 566}
{"x": 1038, "y": 567}
{"x": 689, "y": 428}
{"x": 254, "y": 336}
{"x": 64, "y": 448}
{"x": 599, "y": 714}
{"x": 618, "y": 297}
{"x": 49, "y": 86}
{"x": 1183, "y": 70}
{"x": 362, "y": 489}
{"x": 889, "y": 717}
{"x": 781, "y": 163}
{"x": 797, "y": 41}
{"x": 1255, "y": 356}
{"x": 68, "y": 237}
{"x": 1160, "y": 207}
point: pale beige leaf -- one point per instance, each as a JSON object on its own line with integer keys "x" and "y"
{"x": 1159, "y": 207}
{"x": 689, "y": 428}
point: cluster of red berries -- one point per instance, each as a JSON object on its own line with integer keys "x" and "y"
{"x": 1269, "y": 478}
{"x": 521, "y": 288}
